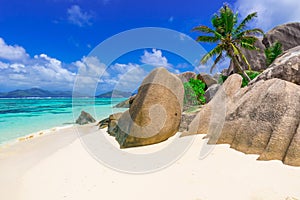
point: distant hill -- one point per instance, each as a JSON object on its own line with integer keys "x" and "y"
{"x": 35, "y": 92}
{"x": 115, "y": 94}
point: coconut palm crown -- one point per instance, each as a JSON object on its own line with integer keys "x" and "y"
{"x": 230, "y": 36}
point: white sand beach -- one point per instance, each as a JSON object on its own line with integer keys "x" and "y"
{"x": 56, "y": 166}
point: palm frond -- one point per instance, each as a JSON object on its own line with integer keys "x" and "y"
{"x": 216, "y": 21}
{"x": 207, "y": 39}
{"x": 206, "y": 29}
{"x": 245, "y": 21}
{"x": 235, "y": 49}
{"x": 249, "y": 46}
{"x": 249, "y": 39}
{"x": 213, "y": 52}
{"x": 248, "y": 42}
{"x": 219, "y": 57}
{"x": 229, "y": 18}
{"x": 255, "y": 31}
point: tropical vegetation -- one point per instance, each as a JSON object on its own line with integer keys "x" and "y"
{"x": 251, "y": 74}
{"x": 230, "y": 37}
{"x": 194, "y": 91}
{"x": 273, "y": 52}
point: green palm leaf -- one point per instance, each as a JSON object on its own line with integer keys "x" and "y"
{"x": 207, "y": 39}
{"x": 255, "y": 31}
{"x": 206, "y": 29}
{"x": 213, "y": 52}
{"x": 245, "y": 21}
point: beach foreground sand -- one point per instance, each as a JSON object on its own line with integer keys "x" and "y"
{"x": 56, "y": 166}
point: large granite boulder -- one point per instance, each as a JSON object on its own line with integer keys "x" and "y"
{"x": 126, "y": 103}
{"x": 287, "y": 34}
{"x": 186, "y": 76}
{"x": 211, "y": 91}
{"x": 187, "y": 117}
{"x": 113, "y": 123}
{"x": 216, "y": 108}
{"x": 103, "y": 123}
{"x": 207, "y": 79}
{"x": 263, "y": 119}
{"x": 155, "y": 114}
{"x": 285, "y": 67}
{"x": 122, "y": 104}
{"x": 85, "y": 118}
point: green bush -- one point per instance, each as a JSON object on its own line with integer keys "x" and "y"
{"x": 251, "y": 74}
{"x": 194, "y": 92}
{"x": 222, "y": 79}
{"x": 273, "y": 52}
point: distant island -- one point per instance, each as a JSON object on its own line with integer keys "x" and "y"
{"x": 37, "y": 92}
{"x": 115, "y": 94}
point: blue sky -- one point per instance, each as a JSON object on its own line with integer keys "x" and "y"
{"x": 43, "y": 42}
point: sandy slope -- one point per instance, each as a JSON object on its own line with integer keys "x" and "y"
{"x": 57, "y": 166}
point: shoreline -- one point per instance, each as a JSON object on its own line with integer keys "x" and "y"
{"x": 33, "y": 135}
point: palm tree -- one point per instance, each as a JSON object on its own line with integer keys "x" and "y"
{"x": 231, "y": 37}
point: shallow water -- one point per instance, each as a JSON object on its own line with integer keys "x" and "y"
{"x": 20, "y": 117}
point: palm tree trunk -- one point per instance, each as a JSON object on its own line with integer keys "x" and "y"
{"x": 240, "y": 68}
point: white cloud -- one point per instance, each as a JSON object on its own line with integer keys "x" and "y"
{"x": 50, "y": 73}
{"x": 131, "y": 80}
{"x": 19, "y": 70}
{"x": 50, "y": 69}
{"x": 9, "y": 52}
{"x": 270, "y": 12}
{"x": 182, "y": 66}
{"x": 124, "y": 77}
{"x": 3, "y": 65}
{"x": 155, "y": 59}
{"x": 78, "y": 17}
{"x": 42, "y": 71}
{"x": 123, "y": 68}
{"x": 91, "y": 72}
{"x": 92, "y": 67}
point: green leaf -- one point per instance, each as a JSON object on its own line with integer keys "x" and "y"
{"x": 251, "y": 74}
{"x": 245, "y": 21}
{"x": 210, "y": 54}
{"x": 194, "y": 92}
{"x": 207, "y": 39}
{"x": 235, "y": 49}
{"x": 273, "y": 52}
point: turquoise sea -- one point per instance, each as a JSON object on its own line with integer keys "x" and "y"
{"x": 20, "y": 117}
